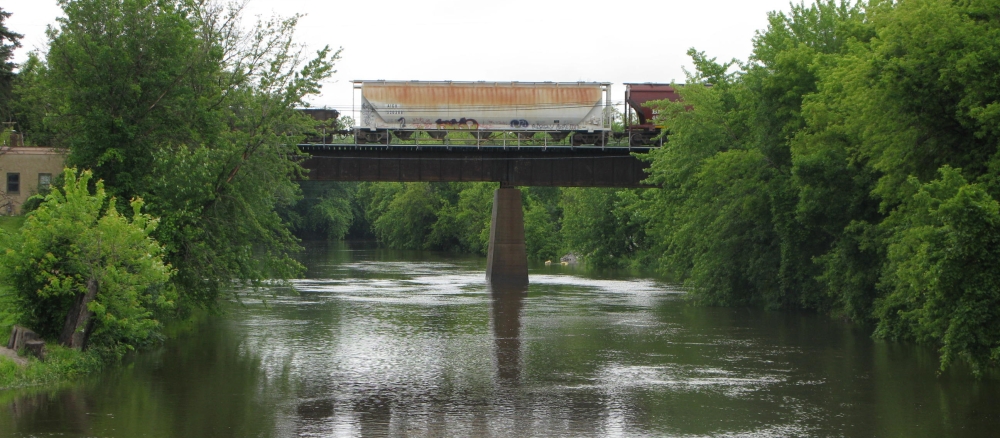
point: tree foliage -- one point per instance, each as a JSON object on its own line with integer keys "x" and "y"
{"x": 847, "y": 167}
{"x": 941, "y": 282}
{"x": 455, "y": 216}
{"x": 602, "y": 226}
{"x": 9, "y": 41}
{"x": 326, "y": 210}
{"x": 176, "y": 102}
{"x": 77, "y": 236}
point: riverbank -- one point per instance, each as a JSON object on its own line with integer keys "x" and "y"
{"x": 61, "y": 364}
{"x": 12, "y": 355}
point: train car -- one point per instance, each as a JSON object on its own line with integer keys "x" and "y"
{"x": 324, "y": 130}
{"x": 639, "y": 125}
{"x": 580, "y": 110}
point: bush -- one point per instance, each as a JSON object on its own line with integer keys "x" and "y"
{"x": 941, "y": 281}
{"x": 77, "y": 250}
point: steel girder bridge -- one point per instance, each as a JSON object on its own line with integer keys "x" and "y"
{"x": 511, "y": 166}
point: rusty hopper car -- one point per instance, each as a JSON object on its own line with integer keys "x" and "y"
{"x": 580, "y": 110}
{"x": 639, "y": 126}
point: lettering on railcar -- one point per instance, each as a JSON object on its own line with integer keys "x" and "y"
{"x": 555, "y": 127}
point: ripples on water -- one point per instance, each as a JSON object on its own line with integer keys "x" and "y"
{"x": 377, "y": 343}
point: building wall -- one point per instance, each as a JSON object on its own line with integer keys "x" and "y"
{"x": 28, "y": 163}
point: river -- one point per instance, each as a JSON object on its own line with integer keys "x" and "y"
{"x": 388, "y": 343}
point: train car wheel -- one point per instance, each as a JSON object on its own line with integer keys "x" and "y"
{"x": 374, "y": 137}
{"x": 637, "y": 139}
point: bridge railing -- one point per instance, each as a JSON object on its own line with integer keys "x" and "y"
{"x": 466, "y": 138}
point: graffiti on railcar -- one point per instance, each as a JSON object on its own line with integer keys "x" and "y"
{"x": 367, "y": 114}
{"x": 463, "y": 123}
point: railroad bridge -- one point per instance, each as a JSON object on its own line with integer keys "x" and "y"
{"x": 510, "y": 165}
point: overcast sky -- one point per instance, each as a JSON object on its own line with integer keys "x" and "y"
{"x": 513, "y": 40}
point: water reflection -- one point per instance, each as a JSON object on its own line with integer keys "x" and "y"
{"x": 377, "y": 343}
{"x": 505, "y": 315}
{"x": 36, "y": 412}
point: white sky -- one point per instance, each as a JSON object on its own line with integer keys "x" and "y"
{"x": 514, "y": 40}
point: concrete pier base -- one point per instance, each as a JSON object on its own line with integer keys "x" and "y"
{"x": 507, "y": 258}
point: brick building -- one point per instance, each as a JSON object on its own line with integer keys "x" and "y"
{"x": 24, "y": 170}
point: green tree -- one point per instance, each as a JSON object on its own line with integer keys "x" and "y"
{"x": 325, "y": 210}
{"x": 932, "y": 94}
{"x": 916, "y": 96}
{"x": 134, "y": 76}
{"x": 602, "y": 226}
{"x": 465, "y": 224}
{"x": 34, "y": 106}
{"x": 173, "y": 101}
{"x": 941, "y": 281}
{"x": 402, "y": 214}
{"x": 9, "y": 41}
{"x": 729, "y": 220}
{"x": 808, "y": 178}
{"x": 542, "y": 222}
{"x": 84, "y": 273}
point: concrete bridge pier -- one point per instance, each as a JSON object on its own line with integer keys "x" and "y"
{"x": 507, "y": 258}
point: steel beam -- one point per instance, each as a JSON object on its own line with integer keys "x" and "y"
{"x": 527, "y": 166}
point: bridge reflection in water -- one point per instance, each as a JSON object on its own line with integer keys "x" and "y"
{"x": 505, "y": 314}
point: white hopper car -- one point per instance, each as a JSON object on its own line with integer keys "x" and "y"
{"x": 580, "y": 110}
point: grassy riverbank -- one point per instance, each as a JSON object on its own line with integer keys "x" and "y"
{"x": 61, "y": 364}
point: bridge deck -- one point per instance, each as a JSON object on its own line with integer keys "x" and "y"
{"x": 565, "y": 166}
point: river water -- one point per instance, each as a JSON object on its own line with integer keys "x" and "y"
{"x": 386, "y": 343}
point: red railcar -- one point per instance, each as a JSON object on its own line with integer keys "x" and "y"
{"x": 639, "y": 126}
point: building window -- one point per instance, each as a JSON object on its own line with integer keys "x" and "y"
{"x": 13, "y": 183}
{"x": 44, "y": 180}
